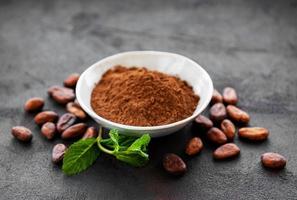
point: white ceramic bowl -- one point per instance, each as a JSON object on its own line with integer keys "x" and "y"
{"x": 168, "y": 63}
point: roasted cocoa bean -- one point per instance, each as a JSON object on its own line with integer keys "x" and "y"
{"x": 48, "y": 130}
{"x": 76, "y": 110}
{"x": 77, "y": 103}
{"x": 53, "y": 89}
{"x": 226, "y": 151}
{"x": 22, "y": 133}
{"x": 253, "y": 133}
{"x": 65, "y": 121}
{"x": 71, "y": 80}
{"x": 216, "y": 136}
{"x": 61, "y": 95}
{"x": 230, "y": 96}
{"x": 74, "y": 131}
{"x": 58, "y": 153}
{"x": 217, "y": 112}
{"x": 34, "y": 104}
{"x": 273, "y": 160}
{"x": 229, "y": 129}
{"x": 194, "y": 146}
{"x": 203, "y": 122}
{"x": 237, "y": 115}
{"x": 90, "y": 133}
{"x": 46, "y": 116}
{"x": 216, "y": 97}
{"x": 173, "y": 164}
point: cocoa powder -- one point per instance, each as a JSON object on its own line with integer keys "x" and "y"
{"x": 140, "y": 97}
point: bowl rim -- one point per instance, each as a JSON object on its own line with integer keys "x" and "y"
{"x": 141, "y": 128}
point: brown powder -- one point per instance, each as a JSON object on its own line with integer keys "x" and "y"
{"x": 140, "y": 97}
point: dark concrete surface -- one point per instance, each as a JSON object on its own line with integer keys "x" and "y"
{"x": 250, "y": 45}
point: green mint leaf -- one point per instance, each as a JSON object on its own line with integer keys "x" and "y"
{"x": 136, "y": 154}
{"x": 114, "y": 136}
{"x": 124, "y": 142}
{"x": 141, "y": 143}
{"x": 80, "y": 156}
{"x": 133, "y": 158}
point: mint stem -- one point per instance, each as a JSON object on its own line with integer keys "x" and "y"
{"x": 99, "y": 138}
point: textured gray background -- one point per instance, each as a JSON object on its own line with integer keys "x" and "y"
{"x": 250, "y": 45}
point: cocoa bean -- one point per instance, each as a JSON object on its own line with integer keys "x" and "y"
{"x": 74, "y": 131}
{"x": 253, "y": 133}
{"x": 48, "y": 130}
{"x": 76, "y": 110}
{"x": 46, "y": 116}
{"x": 194, "y": 146}
{"x": 65, "y": 121}
{"x": 58, "y": 153}
{"x": 34, "y": 104}
{"x": 226, "y": 151}
{"x": 230, "y": 96}
{"x": 173, "y": 164}
{"x": 203, "y": 122}
{"x": 216, "y": 136}
{"x": 61, "y": 95}
{"x": 71, "y": 80}
{"x": 216, "y": 97}
{"x": 218, "y": 112}
{"x": 22, "y": 133}
{"x": 273, "y": 160}
{"x": 228, "y": 129}
{"x": 237, "y": 115}
{"x": 90, "y": 133}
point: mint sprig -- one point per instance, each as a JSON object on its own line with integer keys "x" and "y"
{"x": 128, "y": 149}
{"x": 134, "y": 154}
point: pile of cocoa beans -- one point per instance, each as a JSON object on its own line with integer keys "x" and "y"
{"x": 69, "y": 125}
{"x": 219, "y": 129}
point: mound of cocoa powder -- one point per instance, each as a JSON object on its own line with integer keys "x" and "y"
{"x": 140, "y": 97}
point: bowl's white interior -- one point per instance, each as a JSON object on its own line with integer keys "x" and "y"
{"x": 168, "y": 63}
